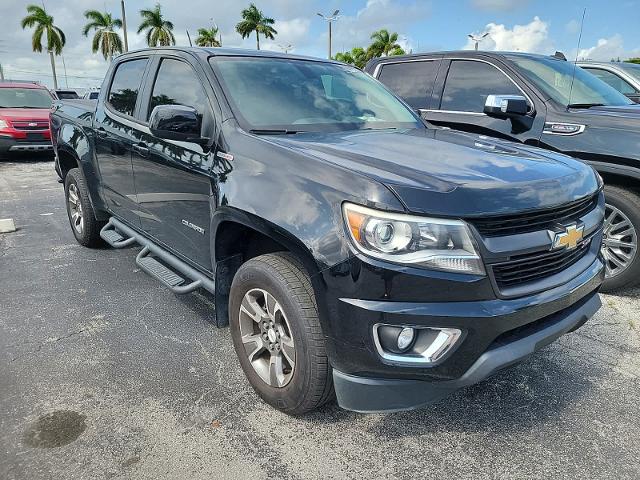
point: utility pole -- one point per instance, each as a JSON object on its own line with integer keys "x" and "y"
{"x": 1, "y": 74}
{"x": 124, "y": 26}
{"x": 329, "y": 19}
{"x": 477, "y": 39}
{"x": 66, "y": 80}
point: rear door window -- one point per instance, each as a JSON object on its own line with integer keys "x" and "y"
{"x": 413, "y": 81}
{"x": 125, "y": 86}
{"x": 470, "y": 82}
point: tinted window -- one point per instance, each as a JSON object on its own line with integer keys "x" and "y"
{"x": 469, "y": 83}
{"x": 413, "y": 81}
{"x": 612, "y": 80}
{"x": 126, "y": 85}
{"x": 177, "y": 84}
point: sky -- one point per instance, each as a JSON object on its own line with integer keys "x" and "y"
{"x": 540, "y": 26}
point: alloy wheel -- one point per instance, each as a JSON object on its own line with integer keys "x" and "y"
{"x": 267, "y": 339}
{"x": 75, "y": 209}
{"x": 619, "y": 241}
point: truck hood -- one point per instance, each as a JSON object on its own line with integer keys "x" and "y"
{"x": 443, "y": 172}
{"x": 632, "y": 110}
{"x": 40, "y": 114}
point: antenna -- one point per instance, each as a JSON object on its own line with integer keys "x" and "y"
{"x": 189, "y": 37}
{"x": 575, "y": 64}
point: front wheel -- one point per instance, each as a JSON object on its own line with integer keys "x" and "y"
{"x": 620, "y": 238}
{"x": 276, "y": 333}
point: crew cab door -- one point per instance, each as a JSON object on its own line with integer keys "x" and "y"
{"x": 172, "y": 178}
{"x": 113, "y": 138}
{"x": 460, "y": 93}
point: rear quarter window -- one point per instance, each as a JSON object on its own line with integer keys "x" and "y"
{"x": 413, "y": 81}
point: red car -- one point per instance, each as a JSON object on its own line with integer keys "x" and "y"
{"x": 24, "y": 118}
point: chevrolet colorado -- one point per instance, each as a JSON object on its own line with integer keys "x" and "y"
{"x": 543, "y": 101}
{"x": 353, "y": 251}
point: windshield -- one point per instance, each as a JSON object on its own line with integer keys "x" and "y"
{"x": 24, "y": 98}
{"x": 555, "y": 77}
{"x": 632, "y": 69}
{"x": 299, "y": 95}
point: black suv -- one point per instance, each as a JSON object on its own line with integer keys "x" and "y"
{"x": 540, "y": 101}
{"x": 349, "y": 247}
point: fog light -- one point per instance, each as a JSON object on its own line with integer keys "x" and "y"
{"x": 405, "y": 339}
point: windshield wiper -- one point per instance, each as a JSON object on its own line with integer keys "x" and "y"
{"x": 274, "y": 131}
{"x": 585, "y": 105}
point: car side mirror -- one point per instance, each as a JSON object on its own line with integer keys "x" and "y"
{"x": 505, "y": 106}
{"x": 176, "y": 122}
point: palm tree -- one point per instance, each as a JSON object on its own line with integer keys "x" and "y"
{"x": 105, "y": 39}
{"x": 383, "y": 43}
{"x": 159, "y": 30}
{"x": 255, "y": 21}
{"x": 357, "y": 57}
{"x": 207, "y": 37}
{"x": 38, "y": 17}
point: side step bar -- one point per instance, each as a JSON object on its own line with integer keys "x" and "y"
{"x": 118, "y": 235}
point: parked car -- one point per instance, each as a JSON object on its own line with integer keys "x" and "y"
{"x": 348, "y": 246}
{"x": 538, "y": 101}
{"x": 66, "y": 94}
{"x": 24, "y": 118}
{"x": 624, "y": 77}
{"x": 91, "y": 95}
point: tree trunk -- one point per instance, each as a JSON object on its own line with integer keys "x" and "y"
{"x": 257, "y": 39}
{"x": 53, "y": 69}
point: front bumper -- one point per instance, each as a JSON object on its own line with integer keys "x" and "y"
{"x": 496, "y": 333}
{"x": 10, "y": 145}
{"x": 370, "y": 395}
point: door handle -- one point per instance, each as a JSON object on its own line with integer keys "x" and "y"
{"x": 141, "y": 149}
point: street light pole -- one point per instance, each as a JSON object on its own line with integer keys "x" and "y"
{"x": 330, "y": 18}
{"x": 478, "y": 39}
{"x": 124, "y": 26}
{"x": 286, "y": 48}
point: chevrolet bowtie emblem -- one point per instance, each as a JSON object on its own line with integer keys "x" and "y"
{"x": 568, "y": 239}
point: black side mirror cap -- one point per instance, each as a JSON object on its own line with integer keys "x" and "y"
{"x": 177, "y": 122}
{"x": 506, "y": 106}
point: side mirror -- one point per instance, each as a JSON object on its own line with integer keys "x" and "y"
{"x": 505, "y": 106}
{"x": 176, "y": 122}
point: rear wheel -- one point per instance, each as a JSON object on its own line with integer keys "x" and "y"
{"x": 83, "y": 222}
{"x": 276, "y": 333}
{"x": 620, "y": 238}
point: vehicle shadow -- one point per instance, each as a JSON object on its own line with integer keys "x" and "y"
{"x": 513, "y": 400}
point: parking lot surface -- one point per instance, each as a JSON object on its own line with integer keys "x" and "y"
{"x": 105, "y": 374}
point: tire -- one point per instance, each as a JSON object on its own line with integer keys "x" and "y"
{"x": 88, "y": 234}
{"x": 627, "y": 204}
{"x": 309, "y": 384}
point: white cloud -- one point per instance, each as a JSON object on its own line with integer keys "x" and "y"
{"x": 532, "y": 37}
{"x": 499, "y": 5}
{"x": 607, "y": 49}
{"x": 572, "y": 27}
{"x": 355, "y": 31}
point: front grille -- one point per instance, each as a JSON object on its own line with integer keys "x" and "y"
{"x": 526, "y": 268}
{"x": 28, "y": 126}
{"x": 534, "y": 220}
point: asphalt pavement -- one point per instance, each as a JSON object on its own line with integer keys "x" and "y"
{"x": 105, "y": 374}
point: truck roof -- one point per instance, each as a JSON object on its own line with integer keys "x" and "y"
{"x": 461, "y": 53}
{"x": 226, "y": 51}
{"x": 21, "y": 85}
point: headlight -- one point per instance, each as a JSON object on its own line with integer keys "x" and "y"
{"x": 3, "y": 124}
{"x": 435, "y": 243}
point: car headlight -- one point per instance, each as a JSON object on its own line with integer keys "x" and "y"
{"x": 434, "y": 243}
{"x": 3, "y": 124}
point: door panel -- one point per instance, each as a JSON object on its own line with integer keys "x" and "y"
{"x": 172, "y": 178}
{"x": 113, "y": 134}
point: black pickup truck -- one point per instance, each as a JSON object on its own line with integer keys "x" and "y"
{"x": 543, "y": 101}
{"x": 350, "y": 248}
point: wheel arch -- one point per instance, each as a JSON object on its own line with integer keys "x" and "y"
{"x": 238, "y": 236}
